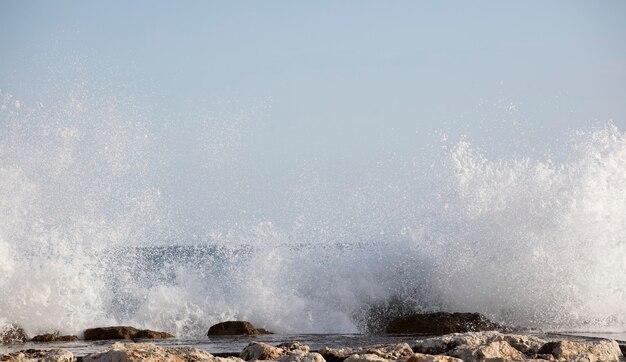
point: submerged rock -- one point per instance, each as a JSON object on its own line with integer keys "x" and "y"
{"x": 235, "y": 328}
{"x": 12, "y": 333}
{"x": 149, "y": 352}
{"x": 261, "y": 351}
{"x": 440, "y": 323}
{"x": 123, "y": 332}
{"x": 602, "y": 351}
{"x": 35, "y": 355}
{"x": 54, "y": 337}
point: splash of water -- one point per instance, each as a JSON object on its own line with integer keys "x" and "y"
{"x": 86, "y": 238}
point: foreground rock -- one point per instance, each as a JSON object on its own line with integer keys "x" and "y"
{"x": 149, "y": 352}
{"x": 440, "y": 323}
{"x": 261, "y": 351}
{"x": 123, "y": 332}
{"x": 54, "y": 337}
{"x": 419, "y": 357}
{"x": 235, "y": 328}
{"x": 12, "y": 333}
{"x": 605, "y": 350}
{"x": 33, "y": 355}
{"x": 496, "y": 346}
{"x": 384, "y": 352}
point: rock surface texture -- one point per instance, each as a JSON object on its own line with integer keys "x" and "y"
{"x": 440, "y": 323}
{"x": 149, "y": 352}
{"x": 582, "y": 351}
{"x": 33, "y": 355}
{"x": 123, "y": 332}
{"x": 235, "y": 328}
{"x": 261, "y": 351}
{"x": 53, "y": 337}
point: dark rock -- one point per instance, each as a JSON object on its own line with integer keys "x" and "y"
{"x": 12, "y": 333}
{"x": 122, "y": 332}
{"x": 440, "y": 323}
{"x": 54, "y": 337}
{"x": 235, "y": 328}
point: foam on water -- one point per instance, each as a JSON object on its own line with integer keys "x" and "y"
{"x": 87, "y": 238}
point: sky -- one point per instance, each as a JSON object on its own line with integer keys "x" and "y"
{"x": 338, "y": 83}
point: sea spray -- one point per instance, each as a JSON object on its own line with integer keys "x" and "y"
{"x": 88, "y": 236}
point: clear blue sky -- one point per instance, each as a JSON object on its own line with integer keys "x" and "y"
{"x": 334, "y": 80}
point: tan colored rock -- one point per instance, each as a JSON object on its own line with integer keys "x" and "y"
{"x": 301, "y": 356}
{"x": 420, "y": 357}
{"x": 601, "y": 351}
{"x": 149, "y": 352}
{"x": 386, "y": 351}
{"x": 55, "y": 355}
{"x": 528, "y": 345}
{"x": 294, "y": 346}
{"x": 261, "y": 351}
{"x": 366, "y": 357}
{"x": 500, "y": 351}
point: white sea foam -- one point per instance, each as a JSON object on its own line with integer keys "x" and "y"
{"x": 530, "y": 242}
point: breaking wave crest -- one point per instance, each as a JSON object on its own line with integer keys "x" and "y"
{"x": 88, "y": 237}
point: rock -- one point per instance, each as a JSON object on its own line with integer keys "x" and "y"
{"x": 260, "y": 351}
{"x": 149, "y": 352}
{"x": 492, "y": 351}
{"x": 385, "y": 351}
{"x": 602, "y": 351}
{"x": 235, "y": 328}
{"x": 54, "y": 337}
{"x": 122, "y": 332}
{"x": 12, "y": 333}
{"x": 528, "y": 345}
{"x": 367, "y": 357}
{"x": 301, "y": 356}
{"x": 294, "y": 346}
{"x": 440, "y": 323}
{"x": 34, "y": 355}
{"x": 420, "y": 357}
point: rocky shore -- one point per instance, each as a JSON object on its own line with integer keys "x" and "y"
{"x": 469, "y": 346}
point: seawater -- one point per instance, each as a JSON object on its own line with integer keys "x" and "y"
{"x": 90, "y": 237}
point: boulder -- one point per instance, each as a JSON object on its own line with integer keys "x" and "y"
{"x": 367, "y": 357}
{"x": 385, "y": 351}
{"x": 492, "y": 351}
{"x": 420, "y": 357}
{"x": 235, "y": 328}
{"x": 301, "y": 356}
{"x": 294, "y": 346}
{"x": 54, "y": 337}
{"x": 260, "y": 351}
{"x": 122, "y": 332}
{"x": 149, "y": 352}
{"x": 440, "y": 323}
{"x": 34, "y": 355}
{"x": 601, "y": 351}
{"x": 528, "y": 345}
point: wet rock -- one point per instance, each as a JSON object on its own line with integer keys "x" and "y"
{"x": 440, "y": 323}
{"x": 54, "y": 337}
{"x": 234, "y": 328}
{"x": 492, "y": 351}
{"x": 12, "y": 333}
{"x": 301, "y": 356}
{"x": 35, "y": 355}
{"x": 122, "y": 332}
{"x": 420, "y": 357}
{"x": 604, "y": 350}
{"x": 149, "y": 352}
{"x": 261, "y": 351}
